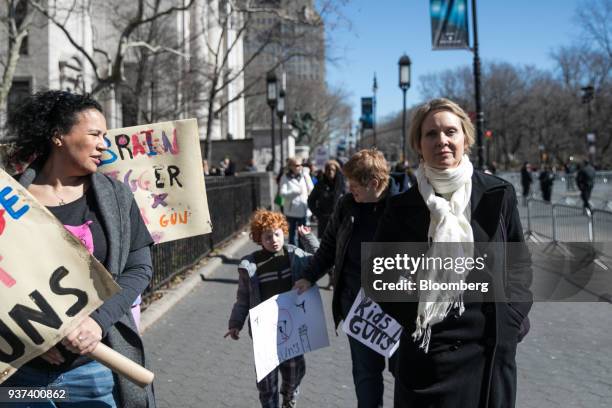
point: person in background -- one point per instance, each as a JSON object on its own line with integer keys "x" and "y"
{"x": 312, "y": 171}
{"x": 326, "y": 194}
{"x": 251, "y": 167}
{"x": 547, "y": 179}
{"x": 585, "y": 180}
{"x": 526, "y": 181}
{"x": 324, "y": 197}
{"x": 354, "y": 220}
{"x": 570, "y": 169}
{"x": 65, "y": 133}
{"x": 295, "y": 186}
{"x": 267, "y": 272}
{"x": 228, "y": 168}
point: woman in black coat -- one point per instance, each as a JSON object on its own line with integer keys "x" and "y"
{"x": 326, "y": 194}
{"x": 454, "y": 353}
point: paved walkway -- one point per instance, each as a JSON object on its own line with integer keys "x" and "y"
{"x": 566, "y": 361}
{"x": 196, "y": 367}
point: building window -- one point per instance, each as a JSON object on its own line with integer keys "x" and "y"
{"x": 20, "y": 90}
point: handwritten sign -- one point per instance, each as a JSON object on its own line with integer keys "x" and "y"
{"x": 289, "y": 323}
{"x": 162, "y": 165}
{"x": 367, "y": 323}
{"x": 48, "y": 280}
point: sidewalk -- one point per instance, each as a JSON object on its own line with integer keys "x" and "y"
{"x": 196, "y": 367}
{"x": 565, "y": 361}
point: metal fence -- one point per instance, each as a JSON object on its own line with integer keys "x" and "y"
{"x": 540, "y": 218}
{"x": 231, "y": 200}
{"x": 602, "y": 226}
{"x": 571, "y": 224}
{"x": 564, "y": 223}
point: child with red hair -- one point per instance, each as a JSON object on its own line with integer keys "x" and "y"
{"x": 267, "y": 272}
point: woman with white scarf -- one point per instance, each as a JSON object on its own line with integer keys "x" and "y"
{"x": 457, "y": 349}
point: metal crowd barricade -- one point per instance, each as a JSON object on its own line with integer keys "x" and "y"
{"x": 571, "y": 224}
{"x": 540, "y": 219}
{"x": 602, "y": 226}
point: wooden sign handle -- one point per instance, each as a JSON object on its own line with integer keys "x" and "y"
{"x": 122, "y": 365}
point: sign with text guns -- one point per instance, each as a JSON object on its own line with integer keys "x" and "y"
{"x": 162, "y": 165}
{"x": 48, "y": 280}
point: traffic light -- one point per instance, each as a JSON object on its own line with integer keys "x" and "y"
{"x": 488, "y": 134}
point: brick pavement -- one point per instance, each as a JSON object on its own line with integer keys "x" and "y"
{"x": 566, "y": 361}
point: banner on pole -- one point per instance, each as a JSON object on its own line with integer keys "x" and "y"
{"x": 161, "y": 163}
{"x": 48, "y": 280}
{"x": 367, "y": 113}
{"x": 449, "y": 24}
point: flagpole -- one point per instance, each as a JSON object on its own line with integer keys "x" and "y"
{"x": 479, "y": 113}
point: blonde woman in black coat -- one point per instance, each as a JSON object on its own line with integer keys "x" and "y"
{"x": 455, "y": 353}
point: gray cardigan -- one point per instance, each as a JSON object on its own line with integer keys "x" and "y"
{"x": 115, "y": 200}
{"x": 248, "y": 294}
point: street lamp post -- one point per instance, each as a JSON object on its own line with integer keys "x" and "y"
{"x": 404, "y": 84}
{"x": 280, "y": 111}
{"x": 588, "y": 93}
{"x": 374, "y": 89}
{"x": 479, "y": 113}
{"x": 271, "y": 96}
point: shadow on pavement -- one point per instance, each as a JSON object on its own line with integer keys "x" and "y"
{"x": 226, "y": 260}
{"x": 219, "y": 280}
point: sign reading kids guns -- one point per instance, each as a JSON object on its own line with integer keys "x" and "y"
{"x": 162, "y": 165}
{"x": 48, "y": 280}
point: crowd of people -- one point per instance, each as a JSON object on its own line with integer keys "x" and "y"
{"x": 459, "y": 352}
{"x": 582, "y": 176}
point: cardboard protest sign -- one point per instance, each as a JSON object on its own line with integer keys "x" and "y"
{"x": 286, "y": 326}
{"x": 162, "y": 165}
{"x": 48, "y": 280}
{"x": 367, "y": 323}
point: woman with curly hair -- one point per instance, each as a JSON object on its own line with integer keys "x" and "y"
{"x": 64, "y": 135}
{"x": 267, "y": 272}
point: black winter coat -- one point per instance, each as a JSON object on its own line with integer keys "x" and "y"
{"x": 439, "y": 379}
{"x": 335, "y": 240}
{"x": 325, "y": 195}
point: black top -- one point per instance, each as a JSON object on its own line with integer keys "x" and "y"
{"x": 82, "y": 219}
{"x": 273, "y": 272}
{"x": 364, "y": 226}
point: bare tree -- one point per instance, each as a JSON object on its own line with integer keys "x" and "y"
{"x": 236, "y": 20}
{"x": 16, "y": 20}
{"x": 138, "y": 15}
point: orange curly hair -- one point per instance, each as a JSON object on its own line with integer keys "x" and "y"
{"x": 264, "y": 220}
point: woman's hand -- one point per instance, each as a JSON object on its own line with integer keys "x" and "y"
{"x": 303, "y": 230}
{"x": 53, "y": 356}
{"x": 233, "y": 333}
{"x": 302, "y": 285}
{"x": 85, "y": 338}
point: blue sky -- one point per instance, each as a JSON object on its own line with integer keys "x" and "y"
{"x": 518, "y": 31}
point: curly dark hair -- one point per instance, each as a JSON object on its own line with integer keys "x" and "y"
{"x": 40, "y": 117}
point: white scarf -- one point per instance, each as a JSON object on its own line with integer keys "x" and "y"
{"x": 448, "y": 224}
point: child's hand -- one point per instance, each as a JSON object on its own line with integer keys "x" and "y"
{"x": 304, "y": 230}
{"x": 233, "y": 333}
{"x": 302, "y": 285}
